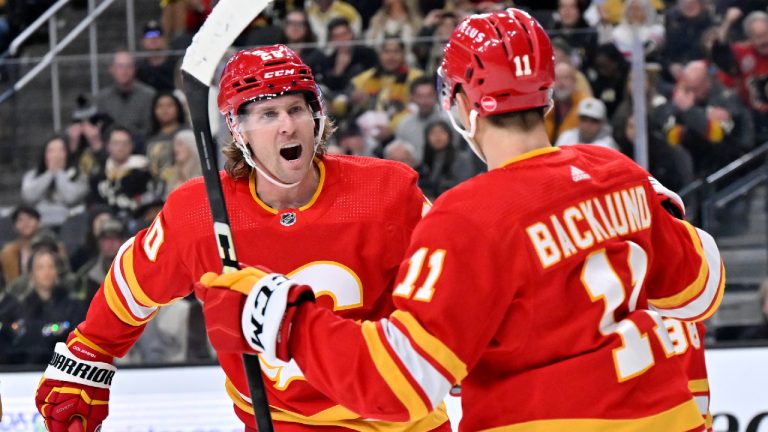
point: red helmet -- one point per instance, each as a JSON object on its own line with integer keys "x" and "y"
{"x": 265, "y": 72}
{"x": 502, "y": 60}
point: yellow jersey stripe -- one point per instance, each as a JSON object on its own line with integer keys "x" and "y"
{"x": 342, "y": 417}
{"x": 138, "y": 293}
{"x": 436, "y": 349}
{"x": 720, "y": 292}
{"x": 117, "y": 307}
{"x": 695, "y": 287}
{"x": 80, "y": 338}
{"x": 389, "y": 370}
{"x": 698, "y": 386}
{"x": 683, "y": 417}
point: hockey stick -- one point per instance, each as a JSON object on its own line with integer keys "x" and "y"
{"x": 227, "y": 20}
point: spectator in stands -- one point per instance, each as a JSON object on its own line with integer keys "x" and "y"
{"x": 127, "y": 100}
{"x": 444, "y": 165}
{"x": 571, "y": 26}
{"x": 432, "y": 37}
{"x": 353, "y": 142}
{"x": 685, "y": 25}
{"x": 747, "y": 63}
{"x": 157, "y": 69}
{"x": 608, "y": 76}
{"x": 85, "y": 138}
{"x": 6, "y": 35}
{"x": 167, "y": 119}
{"x": 384, "y": 88}
{"x": 563, "y": 115}
{"x": 640, "y": 17}
{"x": 565, "y": 53}
{"x": 55, "y": 186}
{"x": 708, "y": 121}
{"x": 15, "y": 254}
{"x": 182, "y": 18}
{"x": 48, "y": 312}
{"x": 263, "y": 30}
{"x": 186, "y": 164}
{"x": 399, "y": 18}
{"x": 653, "y": 102}
{"x": 88, "y": 247}
{"x": 322, "y": 12}
{"x": 44, "y": 240}
{"x": 593, "y": 127}
{"x": 298, "y": 35}
{"x": 89, "y": 276}
{"x": 412, "y": 127}
{"x": 10, "y": 313}
{"x": 671, "y": 165}
{"x": 123, "y": 183}
{"x": 345, "y": 61}
{"x": 760, "y": 332}
{"x": 401, "y": 151}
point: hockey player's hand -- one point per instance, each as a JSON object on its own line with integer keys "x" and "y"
{"x": 671, "y": 201}
{"x": 75, "y": 387}
{"x": 266, "y": 302}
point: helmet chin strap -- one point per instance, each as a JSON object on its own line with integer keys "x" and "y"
{"x": 468, "y": 135}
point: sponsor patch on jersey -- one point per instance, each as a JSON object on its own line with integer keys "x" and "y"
{"x": 288, "y": 219}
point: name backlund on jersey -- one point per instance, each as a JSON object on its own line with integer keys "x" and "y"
{"x": 588, "y": 223}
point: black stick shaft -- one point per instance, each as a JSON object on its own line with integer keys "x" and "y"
{"x": 197, "y": 98}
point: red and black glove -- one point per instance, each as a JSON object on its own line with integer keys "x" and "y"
{"x": 251, "y": 310}
{"x": 75, "y": 388}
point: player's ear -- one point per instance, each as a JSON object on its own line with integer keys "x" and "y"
{"x": 464, "y": 107}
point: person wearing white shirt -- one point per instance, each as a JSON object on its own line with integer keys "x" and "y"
{"x": 592, "y": 129}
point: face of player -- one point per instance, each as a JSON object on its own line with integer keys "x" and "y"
{"x": 280, "y": 133}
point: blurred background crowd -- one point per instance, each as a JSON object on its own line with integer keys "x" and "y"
{"x": 106, "y": 174}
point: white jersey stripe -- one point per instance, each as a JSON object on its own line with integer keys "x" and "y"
{"x": 139, "y": 311}
{"x": 710, "y": 292}
{"x": 432, "y": 382}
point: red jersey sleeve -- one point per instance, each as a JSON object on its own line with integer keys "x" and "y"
{"x": 149, "y": 272}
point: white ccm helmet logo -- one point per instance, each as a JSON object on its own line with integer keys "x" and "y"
{"x": 279, "y": 73}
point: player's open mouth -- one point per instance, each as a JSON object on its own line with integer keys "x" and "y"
{"x": 291, "y": 153}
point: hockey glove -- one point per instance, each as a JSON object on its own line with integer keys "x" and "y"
{"x": 671, "y": 201}
{"x": 75, "y": 386}
{"x": 266, "y": 303}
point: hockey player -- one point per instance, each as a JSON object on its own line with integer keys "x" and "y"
{"x": 538, "y": 286}
{"x": 340, "y": 224}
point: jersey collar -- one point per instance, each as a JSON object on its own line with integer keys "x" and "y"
{"x": 529, "y": 155}
{"x": 265, "y": 206}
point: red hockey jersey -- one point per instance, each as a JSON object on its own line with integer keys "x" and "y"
{"x": 347, "y": 242}
{"x": 539, "y": 287}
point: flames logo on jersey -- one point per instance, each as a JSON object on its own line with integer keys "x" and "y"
{"x": 326, "y": 278}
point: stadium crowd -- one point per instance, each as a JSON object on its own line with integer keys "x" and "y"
{"x": 107, "y": 175}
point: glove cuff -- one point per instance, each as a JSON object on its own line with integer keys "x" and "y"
{"x": 70, "y": 367}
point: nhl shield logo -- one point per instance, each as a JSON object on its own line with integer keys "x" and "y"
{"x": 288, "y": 219}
